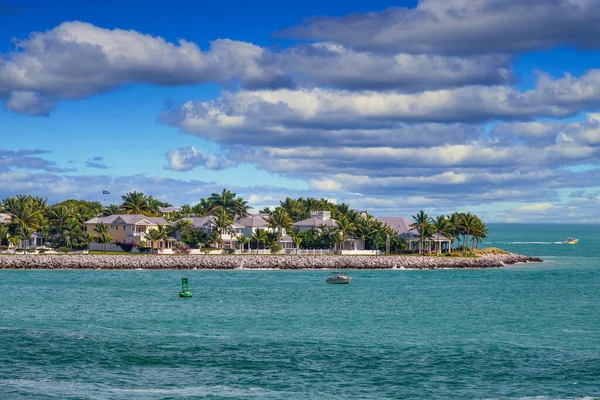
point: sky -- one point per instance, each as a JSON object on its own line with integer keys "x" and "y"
{"x": 487, "y": 106}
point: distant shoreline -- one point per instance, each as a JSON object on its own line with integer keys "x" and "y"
{"x": 226, "y": 262}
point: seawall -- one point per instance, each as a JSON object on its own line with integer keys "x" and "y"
{"x": 112, "y": 262}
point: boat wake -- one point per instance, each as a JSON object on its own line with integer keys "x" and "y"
{"x": 529, "y": 242}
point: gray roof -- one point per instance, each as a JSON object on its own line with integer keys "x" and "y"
{"x": 169, "y": 209}
{"x": 252, "y": 221}
{"x": 5, "y": 218}
{"x": 129, "y": 219}
{"x": 316, "y": 222}
{"x": 399, "y": 224}
{"x": 203, "y": 222}
{"x": 402, "y": 226}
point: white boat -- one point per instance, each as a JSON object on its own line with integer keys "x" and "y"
{"x": 339, "y": 279}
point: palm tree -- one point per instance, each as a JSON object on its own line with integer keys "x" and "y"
{"x": 260, "y": 235}
{"x": 101, "y": 228}
{"x": 240, "y": 207}
{"x": 441, "y": 226}
{"x": 59, "y": 216}
{"x": 345, "y": 228}
{"x": 25, "y": 211}
{"x": 104, "y": 238}
{"x": 154, "y": 236}
{"x": 44, "y": 229}
{"x": 454, "y": 233}
{"x": 226, "y": 201}
{"x": 215, "y": 238}
{"x": 15, "y": 241}
{"x": 280, "y": 220}
{"x": 343, "y": 208}
{"x": 87, "y": 238}
{"x": 468, "y": 224}
{"x": 242, "y": 240}
{"x": 338, "y": 239}
{"x": 136, "y": 203}
{"x": 363, "y": 227}
{"x": 222, "y": 221}
{"x": 3, "y": 234}
{"x": 423, "y": 225}
{"x": 479, "y": 231}
{"x": 180, "y": 226}
{"x": 112, "y": 209}
{"x": 297, "y": 241}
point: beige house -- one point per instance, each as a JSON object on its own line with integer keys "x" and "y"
{"x": 127, "y": 228}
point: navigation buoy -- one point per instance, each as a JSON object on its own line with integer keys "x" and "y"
{"x": 185, "y": 292}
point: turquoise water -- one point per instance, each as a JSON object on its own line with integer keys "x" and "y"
{"x": 529, "y": 331}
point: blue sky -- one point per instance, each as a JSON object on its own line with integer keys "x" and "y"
{"x": 485, "y": 105}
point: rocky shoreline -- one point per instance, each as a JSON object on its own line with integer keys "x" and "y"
{"x": 117, "y": 262}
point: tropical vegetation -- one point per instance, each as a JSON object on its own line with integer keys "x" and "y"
{"x": 61, "y": 225}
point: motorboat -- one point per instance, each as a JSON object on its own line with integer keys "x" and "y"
{"x": 339, "y": 279}
{"x": 571, "y": 241}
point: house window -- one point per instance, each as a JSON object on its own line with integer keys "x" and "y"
{"x": 85, "y": 228}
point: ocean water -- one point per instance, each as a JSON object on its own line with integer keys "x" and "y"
{"x": 529, "y": 331}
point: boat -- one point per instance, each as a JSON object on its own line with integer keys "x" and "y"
{"x": 571, "y": 241}
{"x": 339, "y": 279}
{"x": 185, "y": 292}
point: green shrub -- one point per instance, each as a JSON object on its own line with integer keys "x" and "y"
{"x": 275, "y": 249}
{"x": 143, "y": 249}
{"x": 64, "y": 249}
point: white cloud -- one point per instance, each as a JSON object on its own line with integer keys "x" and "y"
{"x": 189, "y": 158}
{"x": 462, "y": 27}
{"x": 77, "y": 60}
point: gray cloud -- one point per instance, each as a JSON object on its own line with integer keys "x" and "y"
{"x": 189, "y": 158}
{"x": 76, "y": 60}
{"x": 96, "y": 162}
{"x": 23, "y": 159}
{"x": 462, "y": 27}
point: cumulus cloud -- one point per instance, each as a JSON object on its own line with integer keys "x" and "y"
{"x": 189, "y": 158}
{"x": 77, "y": 60}
{"x": 462, "y": 27}
{"x": 275, "y": 110}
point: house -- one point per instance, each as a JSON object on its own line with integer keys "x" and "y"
{"x": 129, "y": 228}
{"x": 35, "y": 240}
{"x": 167, "y": 211}
{"x": 411, "y": 235}
{"x": 253, "y": 222}
{"x": 5, "y": 218}
{"x": 207, "y": 224}
{"x": 320, "y": 220}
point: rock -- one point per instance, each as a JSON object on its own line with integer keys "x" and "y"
{"x": 31, "y": 261}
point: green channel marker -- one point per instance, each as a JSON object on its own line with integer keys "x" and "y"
{"x": 185, "y": 292}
